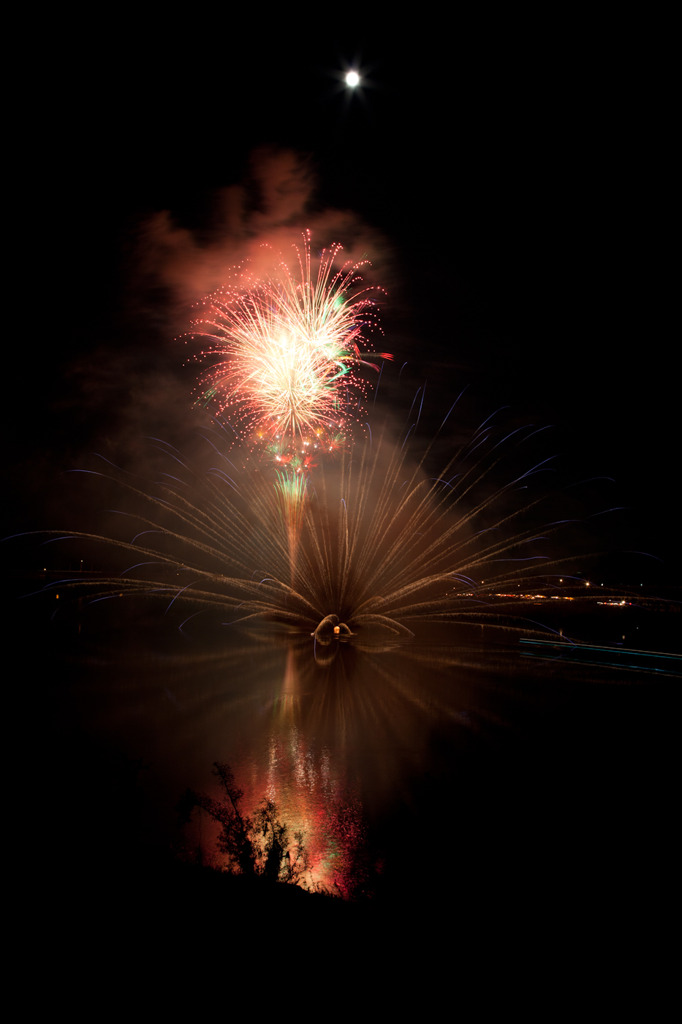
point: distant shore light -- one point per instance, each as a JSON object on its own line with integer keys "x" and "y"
{"x": 352, "y": 79}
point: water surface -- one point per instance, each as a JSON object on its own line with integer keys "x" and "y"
{"x": 453, "y": 767}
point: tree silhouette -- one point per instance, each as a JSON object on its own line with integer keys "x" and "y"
{"x": 253, "y": 846}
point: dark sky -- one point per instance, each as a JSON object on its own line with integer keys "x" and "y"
{"x": 515, "y": 177}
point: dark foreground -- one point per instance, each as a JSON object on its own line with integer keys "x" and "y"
{"x": 541, "y": 849}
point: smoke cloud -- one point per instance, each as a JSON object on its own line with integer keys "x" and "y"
{"x": 130, "y": 380}
{"x": 246, "y": 223}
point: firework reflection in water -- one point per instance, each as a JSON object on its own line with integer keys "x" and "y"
{"x": 372, "y": 541}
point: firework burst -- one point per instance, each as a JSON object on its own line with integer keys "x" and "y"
{"x": 373, "y": 543}
{"x": 285, "y": 354}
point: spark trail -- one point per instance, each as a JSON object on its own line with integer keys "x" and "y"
{"x": 377, "y": 543}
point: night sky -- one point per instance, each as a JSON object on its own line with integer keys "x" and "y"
{"x": 511, "y": 179}
{"x": 511, "y": 182}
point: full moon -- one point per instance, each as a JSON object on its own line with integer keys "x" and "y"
{"x": 352, "y": 79}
